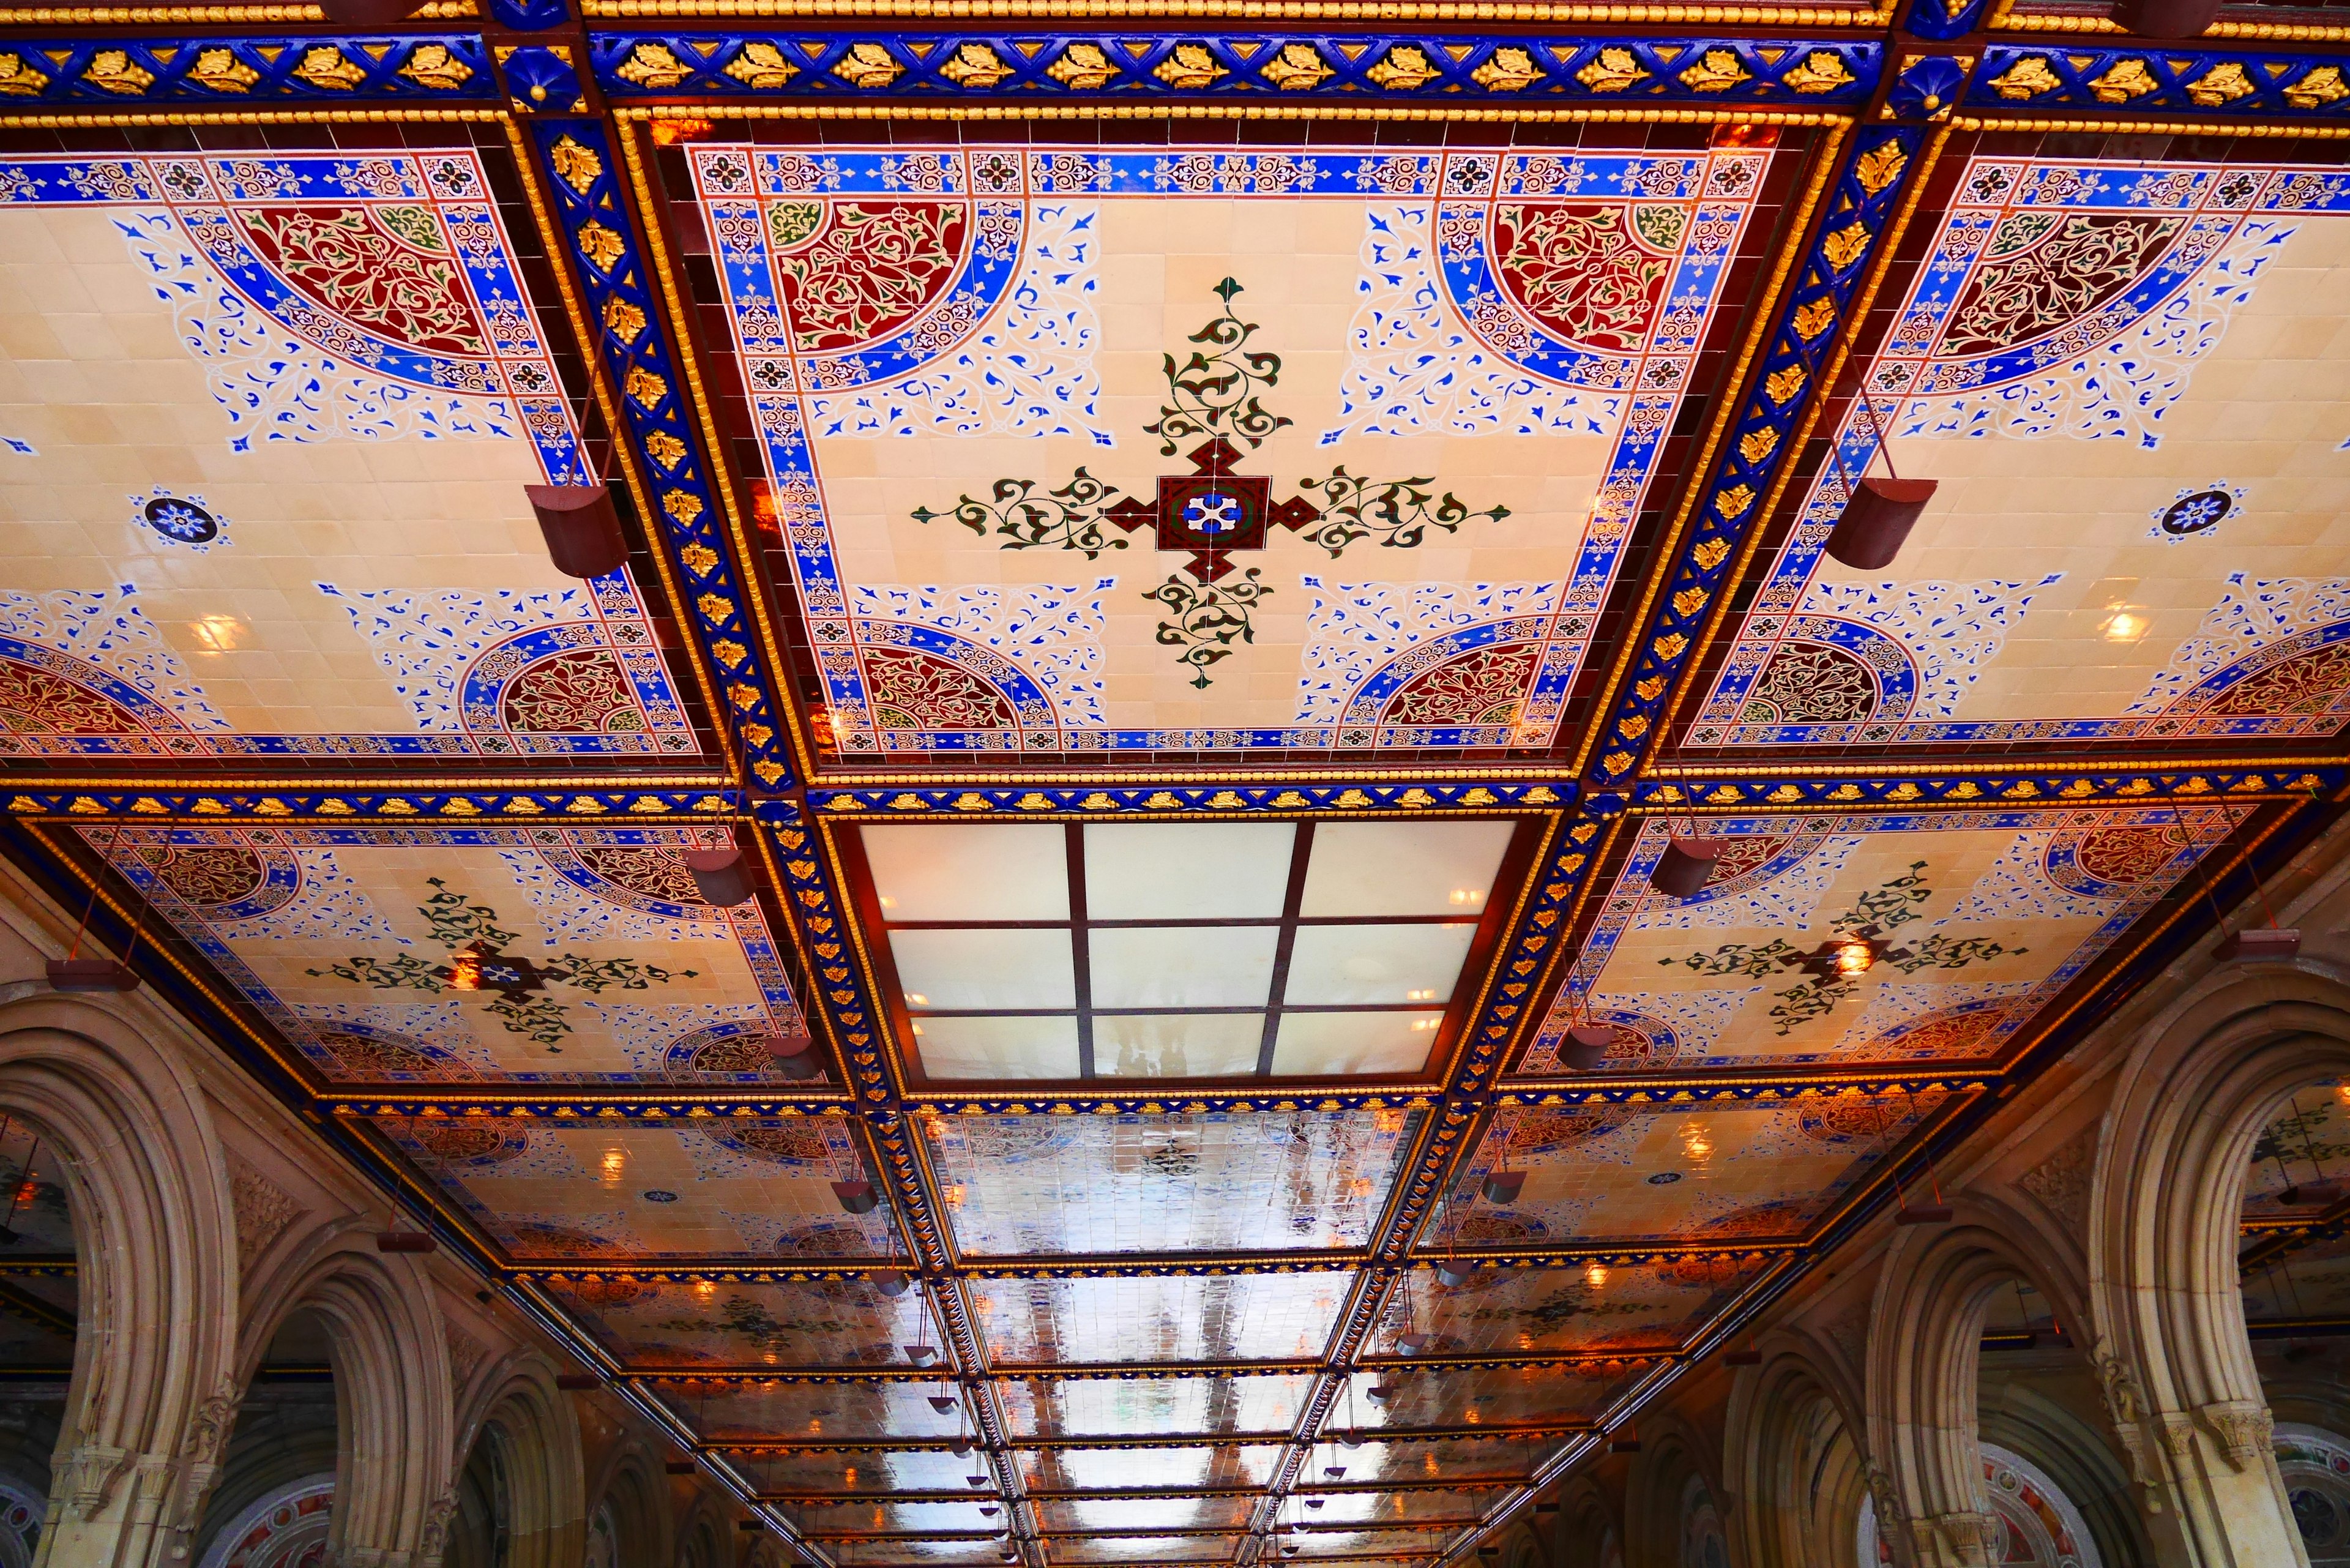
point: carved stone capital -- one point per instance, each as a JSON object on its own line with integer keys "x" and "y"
{"x": 2179, "y": 1435}
{"x": 89, "y": 1476}
{"x": 2243, "y": 1427}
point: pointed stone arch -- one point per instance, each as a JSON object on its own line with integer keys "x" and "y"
{"x": 517, "y": 1407}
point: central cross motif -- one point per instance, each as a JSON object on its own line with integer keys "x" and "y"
{"x": 1212, "y": 512}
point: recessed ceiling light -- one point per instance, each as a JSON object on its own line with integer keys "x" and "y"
{"x": 2122, "y": 626}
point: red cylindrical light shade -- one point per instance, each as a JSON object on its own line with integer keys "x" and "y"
{"x": 1742, "y": 1358}
{"x": 1586, "y": 1046}
{"x": 679, "y": 1467}
{"x": 2169, "y": 19}
{"x": 1922, "y": 1214}
{"x": 91, "y": 974}
{"x": 795, "y": 1057}
{"x": 720, "y": 875}
{"x": 578, "y": 1382}
{"x": 2253, "y": 944}
{"x": 1682, "y": 870}
{"x": 856, "y": 1197}
{"x": 1502, "y": 1187}
{"x": 1877, "y": 520}
{"x": 582, "y": 530}
{"x": 405, "y": 1241}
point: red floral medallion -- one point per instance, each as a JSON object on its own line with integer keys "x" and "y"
{"x": 365, "y": 266}
{"x": 867, "y": 270}
{"x": 1484, "y": 686}
{"x": 1587, "y": 271}
{"x": 582, "y": 692}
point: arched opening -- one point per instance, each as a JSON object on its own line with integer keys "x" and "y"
{"x": 277, "y": 1483}
{"x": 1796, "y": 1463}
{"x": 2032, "y": 1523}
{"x": 39, "y": 1304}
{"x": 480, "y": 1531}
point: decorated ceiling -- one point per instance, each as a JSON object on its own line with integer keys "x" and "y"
{"x": 1188, "y": 579}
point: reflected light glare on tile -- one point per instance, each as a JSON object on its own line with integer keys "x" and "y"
{"x": 1402, "y": 867}
{"x": 217, "y": 633}
{"x": 970, "y": 871}
{"x": 1185, "y": 870}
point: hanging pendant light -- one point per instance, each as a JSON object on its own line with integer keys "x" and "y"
{"x": 1680, "y": 872}
{"x": 856, "y": 1197}
{"x": 1922, "y": 1214}
{"x": 91, "y": 974}
{"x": 720, "y": 875}
{"x": 920, "y": 1355}
{"x": 2311, "y": 1195}
{"x": 1877, "y": 519}
{"x": 942, "y": 1403}
{"x": 795, "y": 1057}
{"x": 578, "y": 1382}
{"x": 1454, "y": 1273}
{"x": 1413, "y": 1343}
{"x": 1586, "y": 1046}
{"x": 678, "y": 1467}
{"x": 1624, "y": 1440}
{"x": 1379, "y": 1394}
{"x": 582, "y": 530}
{"x": 976, "y": 1480}
{"x": 1335, "y": 1472}
{"x": 1315, "y": 1501}
{"x": 1748, "y": 1357}
{"x": 2254, "y": 944}
{"x": 1502, "y": 1187}
{"x": 891, "y": 1283}
{"x": 960, "y": 1449}
{"x": 405, "y": 1241}
{"x": 988, "y": 1511}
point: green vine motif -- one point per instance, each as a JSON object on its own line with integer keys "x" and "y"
{"x": 1216, "y": 393}
{"x": 1891, "y": 903}
{"x": 1396, "y": 511}
{"x": 596, "y": 976}
{"x": 455, "y": 922}
{"x": 1208, "y": 617}
{"x": 1069, "y": 517}
{"x": 540, "y": 1018}
{"x": 405, "y": 972}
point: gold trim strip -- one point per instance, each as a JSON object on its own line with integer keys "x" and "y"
{"x": 200, "y": 15}
{"x": 707, "y": 112}
{"x": 2044, "y": 22}
{"x": 2159, "y": 127}
{"x": 1251, "y": 10}
{"x": 249, "y": 117}
{"x": 1728, "y": 772}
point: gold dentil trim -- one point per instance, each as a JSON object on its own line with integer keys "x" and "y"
{"x": 2046, "y": 22}
{"x": 248, "y": 117}
{"x": 2159, "y": 127}
{"x": 1837, "y": 768}
{"x": 198, "y": 15}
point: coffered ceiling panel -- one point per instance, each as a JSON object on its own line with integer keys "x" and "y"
{"x": 1152, "y": 1407}
{"x": 818, "y": 1323}
{"x": 1231, "y": 1317}
{"x": 267, "y": 423}
{"x": 477, "y": 955}
{"x": 1481, "y": 1396}
{"x": 1585, "y": 1308}
{"x": 1111, "y": 1469}
{"x": 594, "y": 1191}
{"x": 1135, "y": 1515}
{"x": 1410, "y": 404}
{"x": 1210, "y": 1182}
{"x": 740, "y": 1412}
{"x": 852, "y": 1470}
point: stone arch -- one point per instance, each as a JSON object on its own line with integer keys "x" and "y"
{"x": 153, "y": 1391}
{"x": 638, "y": 1502}
{"x": 1590, "y": 1525}
{"x": 1657, "y": 1492}
{"x": 2172, "y": 1352}
{"x": 534, "y": 1438}
{"x": 1925, "y": 1368}
{"x": 2074, "y": 1454}
{"x": 1795, "y": 1459}
{"x": 390, "y": 1352}
{"x": 704, "y": 1541}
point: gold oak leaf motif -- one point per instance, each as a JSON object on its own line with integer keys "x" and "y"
{"x": 975, "y": 66}
{"x": 576, "y": 165}
{"x": 1879, "y": 166}
{"x": 113, "y": 70}
{"x": 1612, "y": 72}
{"x": 762, "y": 68}
{"x": 867, "y": 66}
{"x": 1756, "y": 445}
{"x": 1844, "y": 247}
{"x": 1405, "y": 70}
{"x": 432, "y": 66}
{"x": 666, "y": 448}
{"x": 700, "y": 560}
{"x": 1734, "y": 501}
{"x": 1190, "y": 68}
{"x": 1082, "y": 66}
{"x": 2223, "y": 83}
{"x": 1507, "y": 71}
{"x": 2028, "y": 77}
{"x": 653, "y": 66}
{"x": 1297, "y": 69}
{"x": 1815, "y": 318}
{"x": 221, "y": 71}
{"x": 645, "y": 387}
{"x": 1718, "y": 71}
{"x": 19, "y": 79}
{"x": 328, "y": 66}
{"x": 601, "y": 246}
{"x": 683, "y": 504}
{"x": 1821, "y": 71}
{"x": 1708, "y": 554}
{"x": 1784, "y": 384}
{"x": 2317, "y": 89}
{"x": 622, "y": 320}
{"x": 2122, "y": 80}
